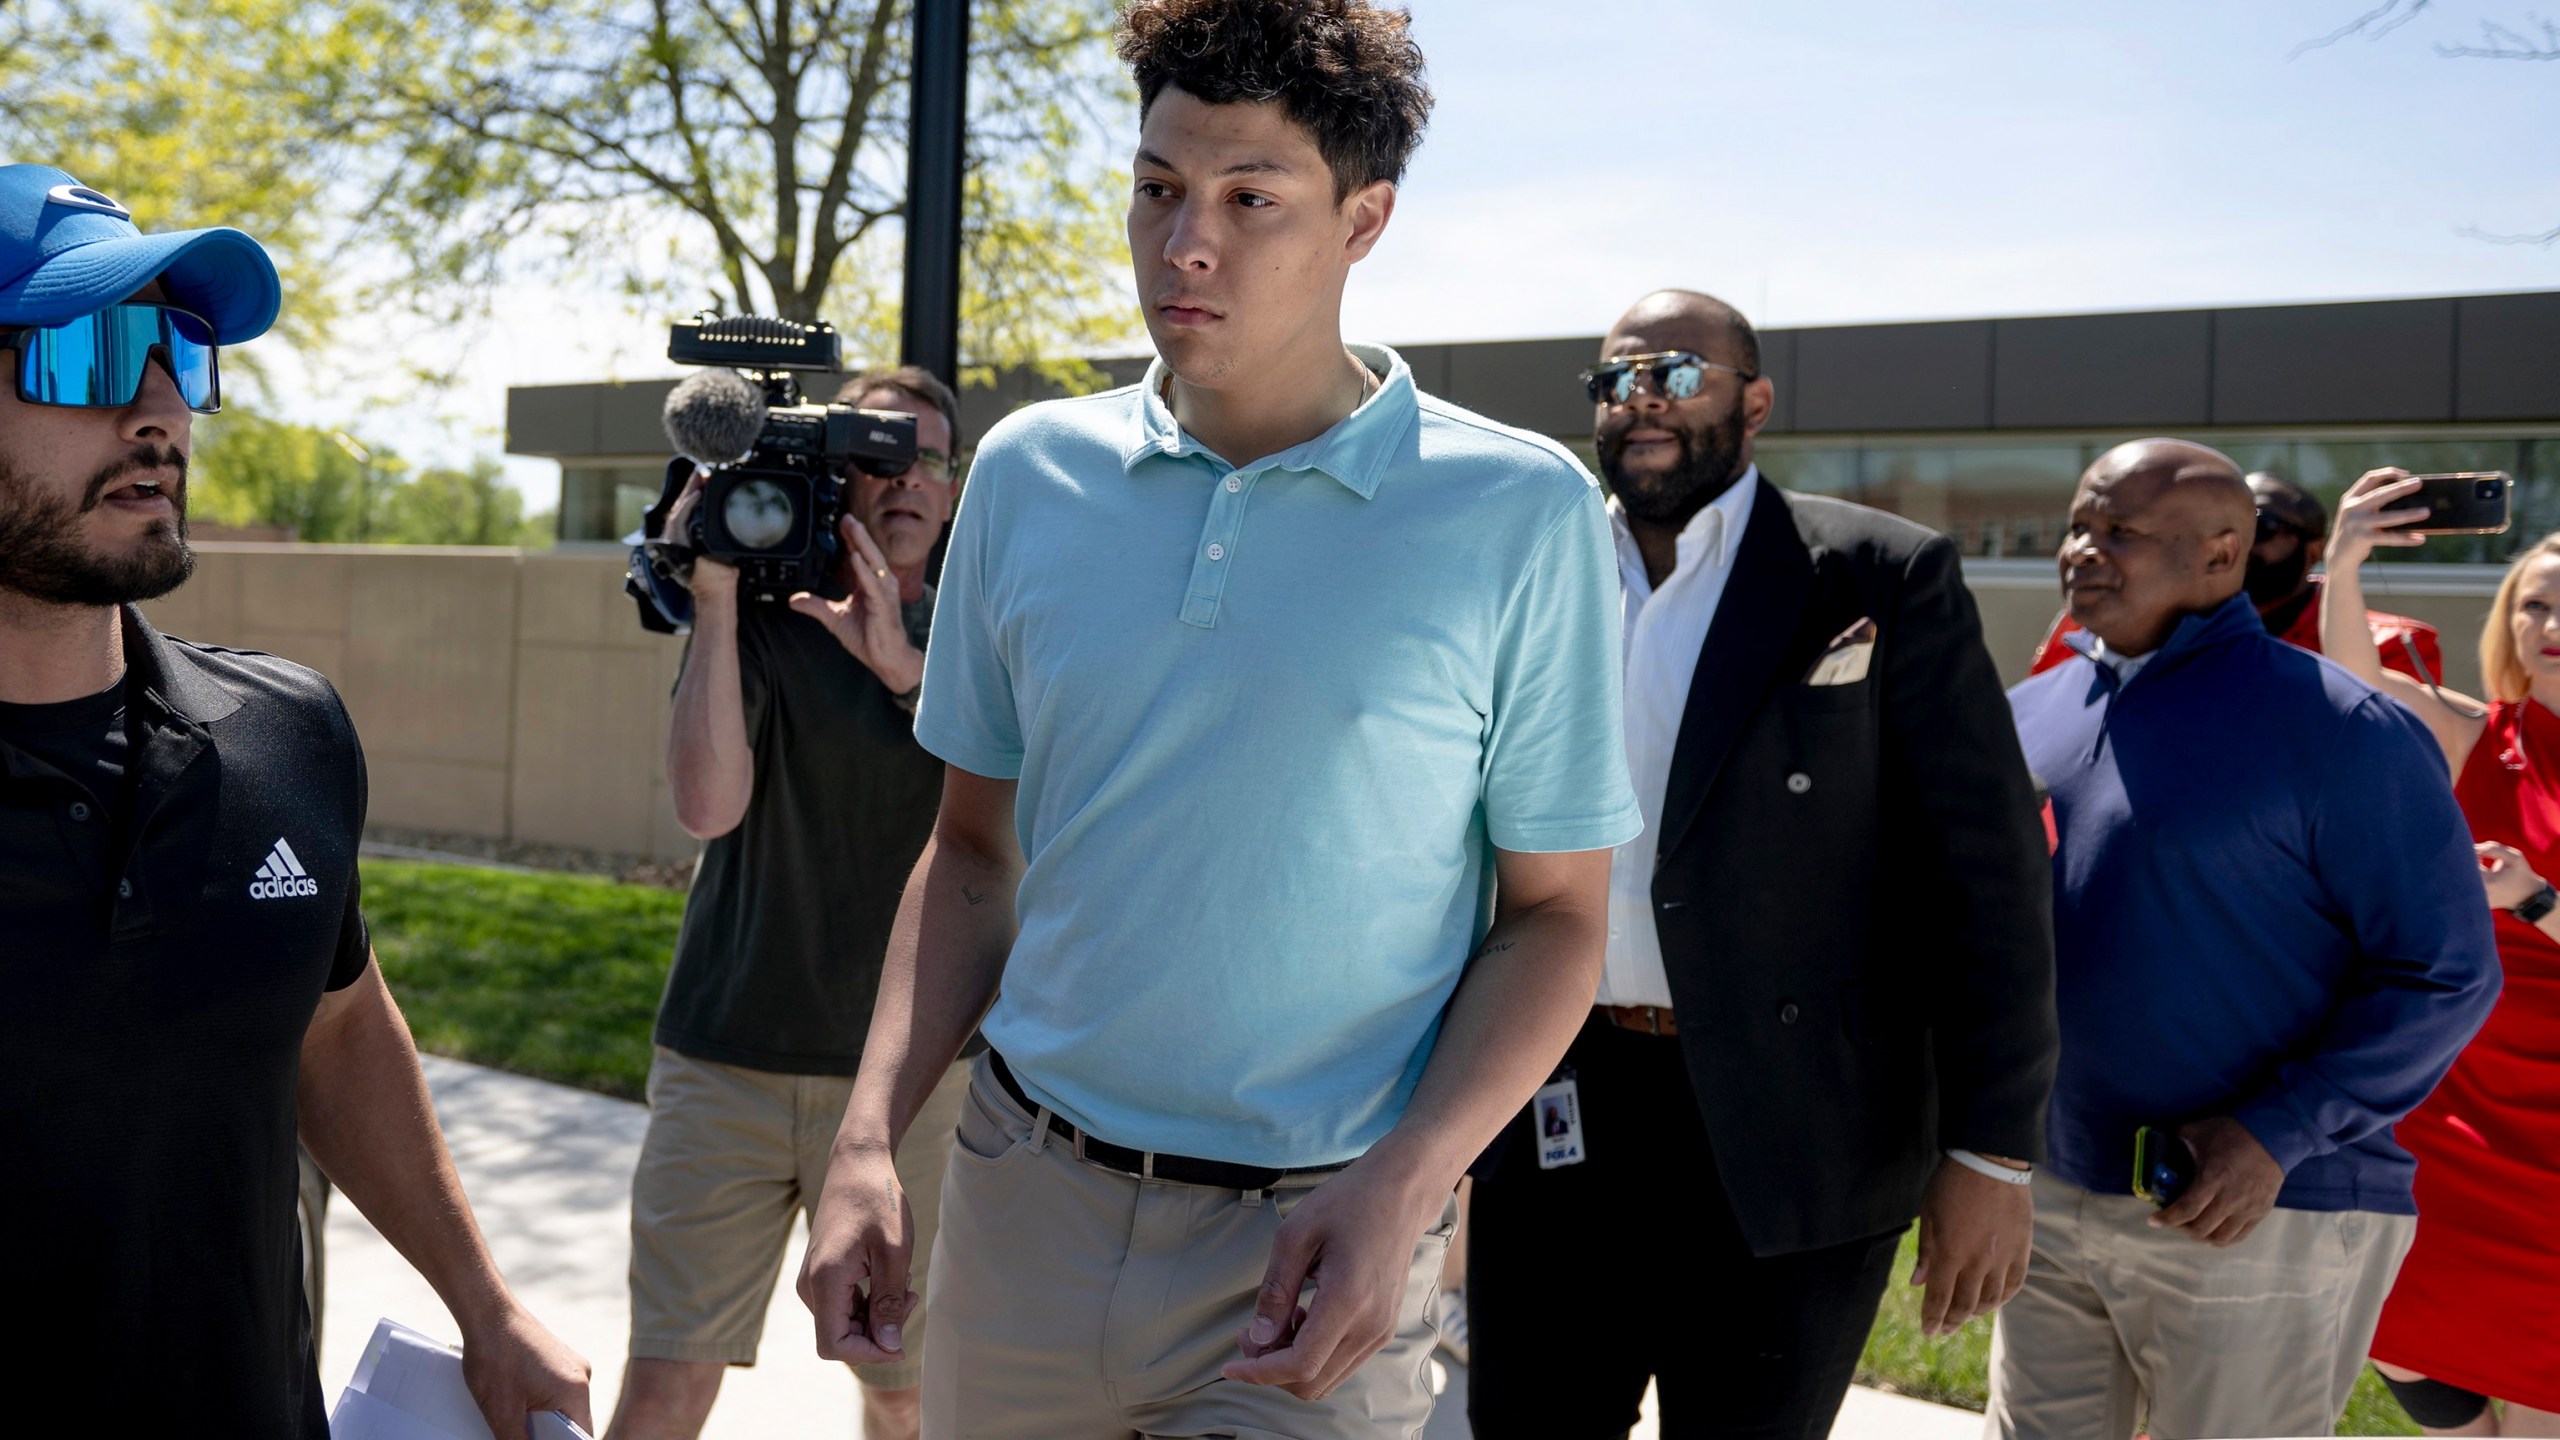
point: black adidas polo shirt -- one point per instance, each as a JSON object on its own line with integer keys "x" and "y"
{"x": 152, "y": 1010}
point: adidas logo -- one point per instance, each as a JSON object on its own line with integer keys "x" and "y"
{"x": 282, "y": 876}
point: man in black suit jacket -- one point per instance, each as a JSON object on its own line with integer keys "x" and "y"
{"x": 1828, "y": 1003}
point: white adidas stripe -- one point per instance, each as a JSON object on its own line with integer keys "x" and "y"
{"x": 284, "y": 852}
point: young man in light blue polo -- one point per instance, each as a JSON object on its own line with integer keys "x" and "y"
{"x": 1280, "y": 709}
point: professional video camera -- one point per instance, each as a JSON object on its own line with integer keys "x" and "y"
{"x": 777, "y": 463}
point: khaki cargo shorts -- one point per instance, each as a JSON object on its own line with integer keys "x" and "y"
{"x": 732, "y": 1156}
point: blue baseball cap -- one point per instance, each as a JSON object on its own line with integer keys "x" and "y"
{"x": 68, "y": 251}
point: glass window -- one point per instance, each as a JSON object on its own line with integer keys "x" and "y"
{"x": 631, "y": 507}
{"x": 1813, "y": 469}
{"x": 586, "y": 498}
{"x": 2011, "y": 498}
{"x": 1992, "y": 499}
{"x": 2273, "y": 456}
{"x": 606, "y": 502}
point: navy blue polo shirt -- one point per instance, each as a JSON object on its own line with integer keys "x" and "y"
{"x": 170, "y": 915}
{"x": 2266, "y": 906}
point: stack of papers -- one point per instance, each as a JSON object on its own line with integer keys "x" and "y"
{"x": 409, "y": 1387}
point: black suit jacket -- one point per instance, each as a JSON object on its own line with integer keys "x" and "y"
{"x": 1852, "y": 889}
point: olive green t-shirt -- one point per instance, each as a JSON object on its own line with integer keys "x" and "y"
{"x": 779, "y": 957}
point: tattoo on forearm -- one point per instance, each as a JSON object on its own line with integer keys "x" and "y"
{"x": 1495, "y": 948}
{"x": 972, "y": 896}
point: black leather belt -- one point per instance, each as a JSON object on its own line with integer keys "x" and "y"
{"x": 1147, "y": 1164}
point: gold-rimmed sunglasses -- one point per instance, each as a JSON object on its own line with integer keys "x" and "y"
{"x": 1671, "y": 374}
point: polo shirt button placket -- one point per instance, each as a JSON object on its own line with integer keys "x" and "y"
{"x": 79, "y": 810}
{"x": 1218, "y": 537}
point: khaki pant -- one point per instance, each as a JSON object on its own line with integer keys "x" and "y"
{"x": 731, "y": 1157}
{"x": 1073, "y": 1302}
{"x": 2120, "y": 1323}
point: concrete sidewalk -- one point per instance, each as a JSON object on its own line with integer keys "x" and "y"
{"x": 548, "y": 1169}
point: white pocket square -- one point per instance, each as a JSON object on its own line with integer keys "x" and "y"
{"x": 1846, "y": 659}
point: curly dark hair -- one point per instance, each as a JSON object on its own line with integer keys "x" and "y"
{"x": 1347, "y": 71}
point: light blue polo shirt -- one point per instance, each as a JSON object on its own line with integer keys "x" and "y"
{"x": 1270, "y": 723}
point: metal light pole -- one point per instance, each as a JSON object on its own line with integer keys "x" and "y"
{"x": 938, "y": 110}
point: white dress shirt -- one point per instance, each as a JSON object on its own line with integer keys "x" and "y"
{"x": 2125, "y": 666}
{"x": 1661, "y": 631}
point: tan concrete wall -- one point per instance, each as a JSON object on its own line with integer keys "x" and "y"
{"x": 499, "y": 693}
{"x": 512, "y": 695}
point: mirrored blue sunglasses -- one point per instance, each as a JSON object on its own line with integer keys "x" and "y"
{"x": 98, "y": 359}
{"x": 1673, "y": 374}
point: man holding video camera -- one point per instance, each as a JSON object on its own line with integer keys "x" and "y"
{"x": 792, "y": 752}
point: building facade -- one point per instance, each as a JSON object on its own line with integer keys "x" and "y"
{"x": 1978, "y": 428}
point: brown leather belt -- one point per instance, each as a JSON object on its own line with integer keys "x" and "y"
{"x": 1642, "y": 1019}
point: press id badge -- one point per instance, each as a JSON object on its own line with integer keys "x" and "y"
{"x": 1557, "y": 1112}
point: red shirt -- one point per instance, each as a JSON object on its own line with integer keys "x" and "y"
{"x": 2393, "y": 635}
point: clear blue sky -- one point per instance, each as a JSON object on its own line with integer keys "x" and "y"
{"x": 1865, "y": 160}
{"x": 1879, "y": 161}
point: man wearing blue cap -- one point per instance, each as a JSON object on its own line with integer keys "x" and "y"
{"x": 185, "y": 976}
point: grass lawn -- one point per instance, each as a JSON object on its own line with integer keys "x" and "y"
{"x": 1955, "y": 1371}
{"x": 551, "y": 975}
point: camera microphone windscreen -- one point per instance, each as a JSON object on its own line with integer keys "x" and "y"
{"x": 714, "y": 417}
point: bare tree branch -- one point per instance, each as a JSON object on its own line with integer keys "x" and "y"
{"x": 834, "y": 237}
{"x": 2498, "y": 42}
{"x": 2546, "y": 239}
{"x": 2373, "y": 24}
{"x": 704, "y": 201}
{"x": 2504, "y": 43}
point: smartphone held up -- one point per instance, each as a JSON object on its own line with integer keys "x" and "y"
{"x": 2469, "y": 502}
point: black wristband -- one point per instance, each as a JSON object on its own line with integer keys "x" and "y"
{"x": 2533, "y": 907}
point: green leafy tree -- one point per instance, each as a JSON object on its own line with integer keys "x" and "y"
{"x": 753, "y": 156}
{"x": 190, "y": 112}
{"x": 322, "y": 485}
{"x": 328, "y": 487}
{"x": 42, "y": 42}
{"x": 473, "y": 505}
{"x": 749, "y": 155}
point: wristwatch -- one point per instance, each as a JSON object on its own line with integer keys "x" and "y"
{"x": 2533, "y": 907}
